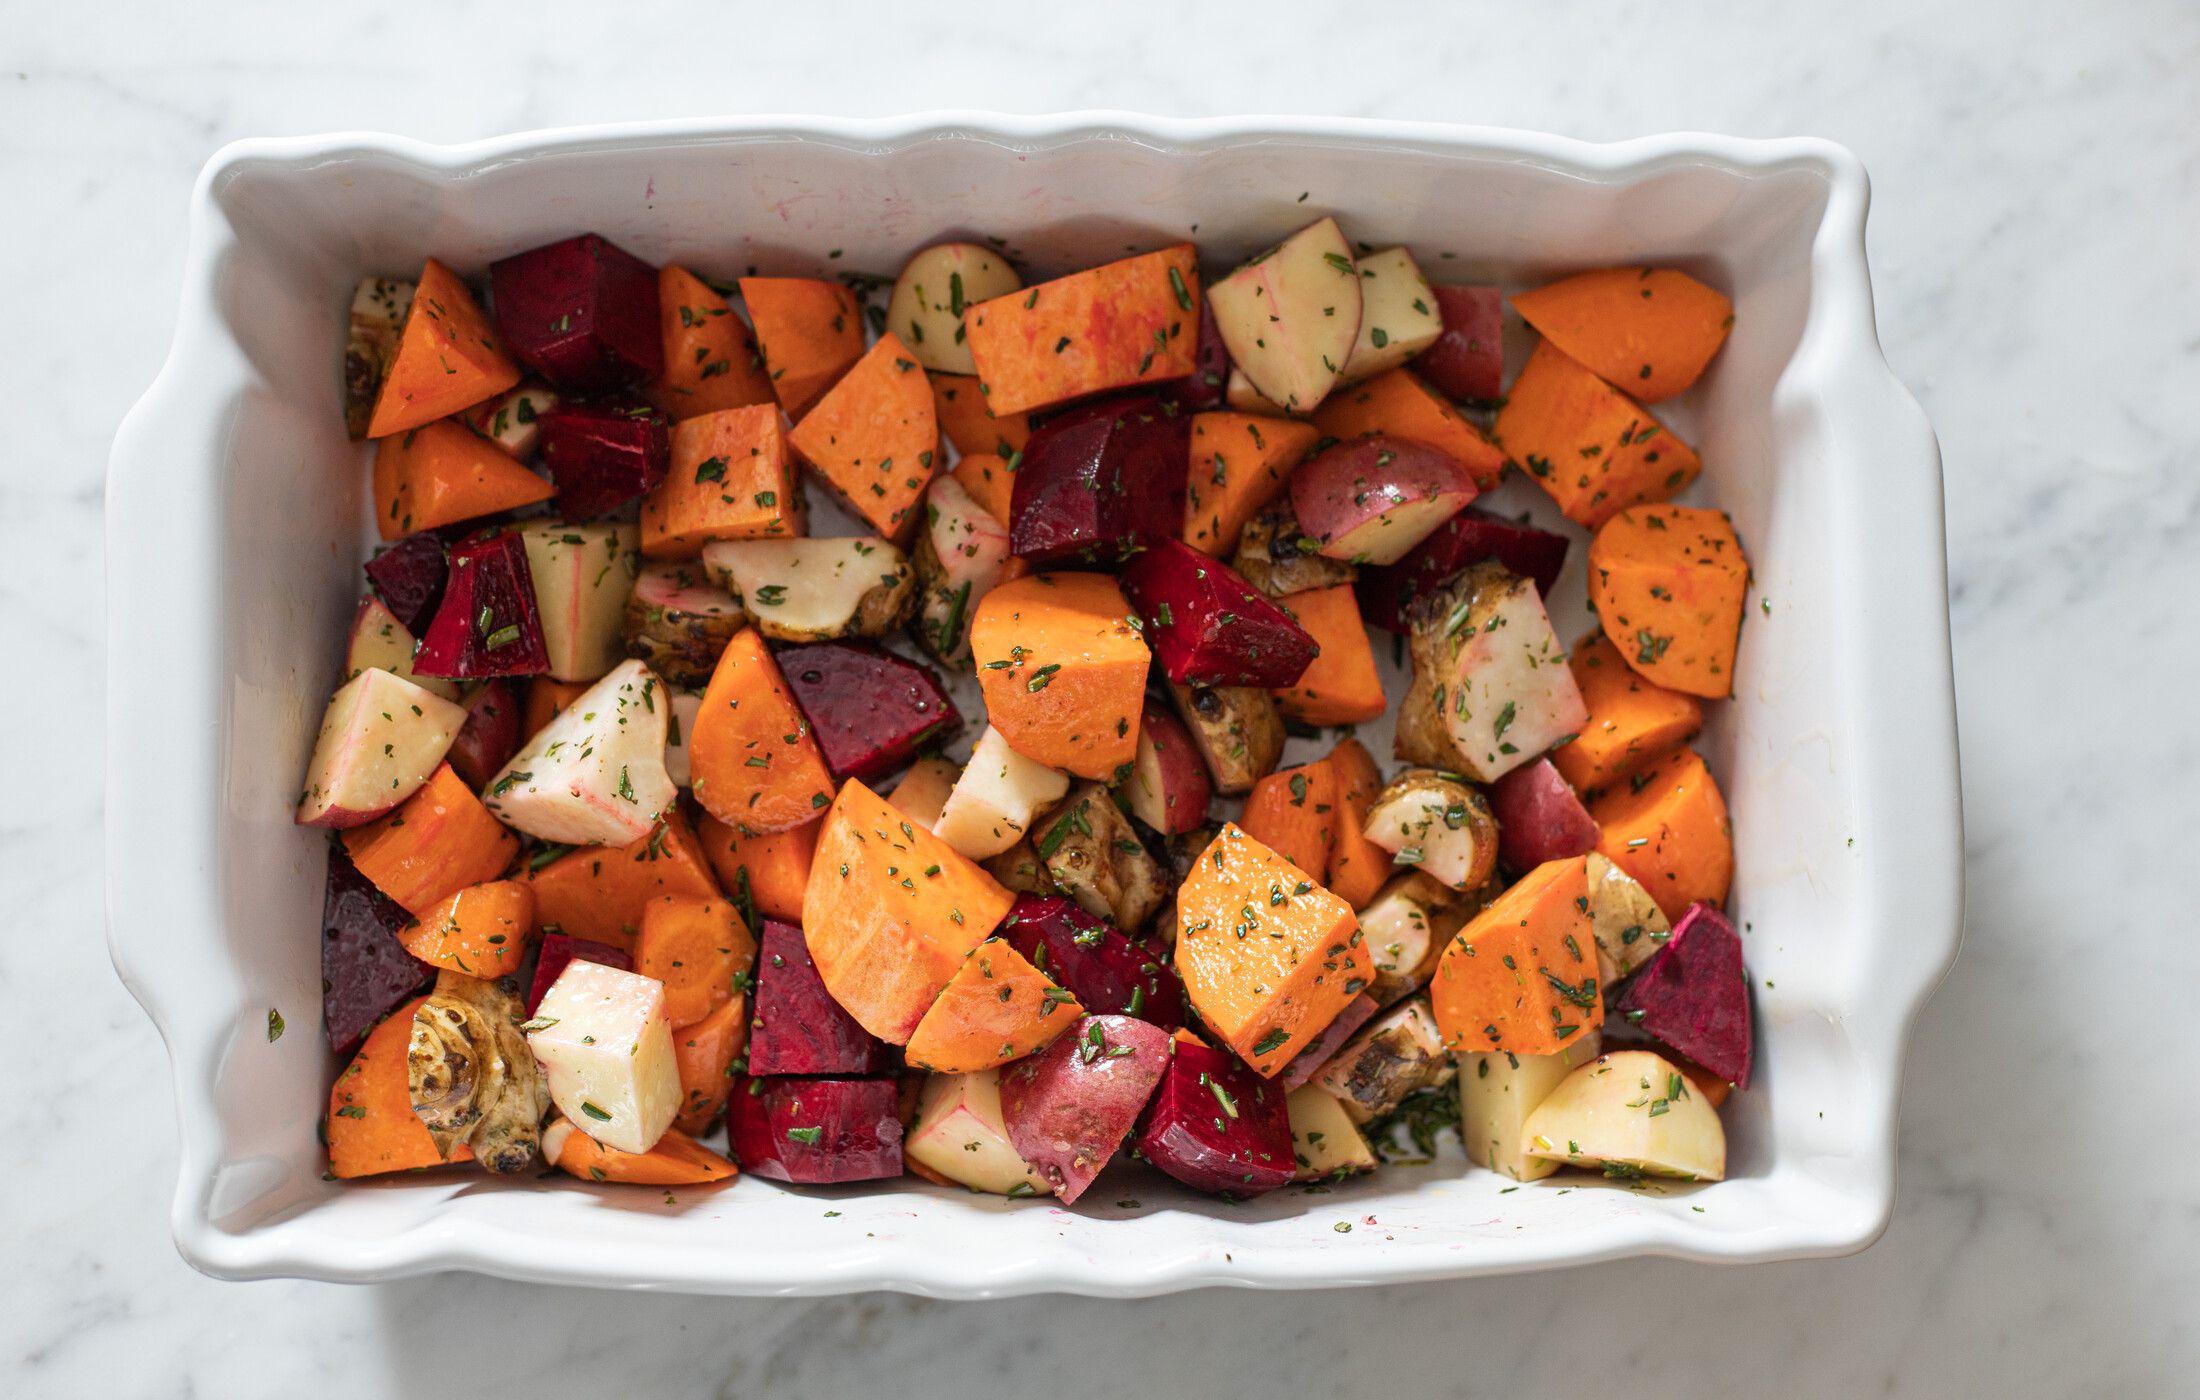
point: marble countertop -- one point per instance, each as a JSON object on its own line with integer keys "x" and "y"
{"x": 2037, "y": 190}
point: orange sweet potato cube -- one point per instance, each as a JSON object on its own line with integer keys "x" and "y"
{"x": 1522, "y": 975}
{"x": 730, "y": 479}
{"x": 448, "y": 358}
{"x": 1240, "y": 462}
{"x": 1399, "y": 403}
{"x": 1062, "y": 665}
{"x": 1593, "y": 449}
{"x": 442, "y": 473}
{"x": 1133, "y": 321}
{"x": 874, "y": 439}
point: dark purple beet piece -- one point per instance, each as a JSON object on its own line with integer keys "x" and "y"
{"x": 1069, "y": 1107}
{"x": 1217, "y": 1126}
{"x": 816, "y": 1131}
{"x": 582, "y": 312}
{"x": 1539, "y": 817}
{"x": 409, "y": 575}
{"x": 1204, "y": 387}
{"x": 602, "y": 455}
{"x": 486, "y": 624}
{"x": 558, "y": 950}
{"x": 871, "y": 711}
{"x": 1208, "y": 626}
{"x": 1468, "y": 360}
{"x": 797, "y": 1027}
{"x": 490, "y": 735}
{"x": 1101, "y": 481}
{"x": 1467, "y": 538}
{"x": 1309, "y": 1061}
{"x": 1104, "y": 968}
{"x": 365, "y": 972}
{"x": 1693, "y": 995}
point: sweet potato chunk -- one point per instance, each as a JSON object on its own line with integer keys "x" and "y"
{"x": 371, "y": 1125}
{"x": 1063, "y": 669}
{"x": 1632, "y": 722}
{"x": 711, "y": 360}
{"x": 1341, "y": 684}
{"x": 1593, "y": 449}
{"x": 756, "y": 766}
{"x": 704, "y": 1053}
{"x": 598, "y": 893}
{"x": 676, "y": 1160}
{"x": 1399, "y": 403}
{"x": 874, "y": 439}
{"x": 1668, "y": 584}
{"x": 448, "y": 358}
{"x": 440, "y": 841}
{"x": 970, "y": 423}
{"x": 1134, "y": 321}
{"x": 482, "y": 931}
{"x": 764, "y": 873}
{"x": 811, "y": 333}
{"x": 440, "y": 474}
{"x": 730, "y": 479}
{"x": 1522, "y": 975}
{"x": 1295, "y": 812}
{"x": 1240, "y": 462}
{"x": 1357, "y": 866}
{"x": 996, "y": 1008}
{"x": 1667, "y": 826}
{"x": 1649, "y": 329}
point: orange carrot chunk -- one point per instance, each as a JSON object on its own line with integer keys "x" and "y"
{"x": 1593, "y": 449}
{"x": 996, "y": 1008}
{"x": 1294, "y": 812}
{"x": 697, "y": 948}
{"x": 969, "y": 422}
{"x": 1399, "y": 403}
{"x": 730, "y": 479}
{"x": 1632, "y": 722}
{"x": 595, "y": 892}
{"x": 755, "y": 764}
{"x": 1667, "y": 826}
{"x": 705, "y": 1052}
{"x": 448, "y": 358}
{"x": 711, "y": 359}
{"x": 1340, "y": 685}
{"x": 1133, "y": 321}
{"x": 371, "y": 1125}
{"x": 1649, "y": 330}
{"x": 811, "y": 332}
{"x": 440, "y": 474}
{"x": 1062, "y": 665}
{"x": 676, "y": 1160}
{"x": 1357, "y": 866}
{"x": 766, "y": 873}
{"x": 482, "y": 931}
{"x": 1668, "y": 584}
{"x": 874, "y": 439}
{"x": 1522, "y": 975}
{"x": 437, "y": 842}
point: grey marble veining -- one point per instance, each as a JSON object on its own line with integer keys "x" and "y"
{"x": 2037, "y": 183}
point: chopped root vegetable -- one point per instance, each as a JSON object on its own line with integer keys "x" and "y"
{"x": 1649, "y": 330}
{"x": 814, "y": 590}
{"x": 1135, "y": 321}
{"x": 1240, "y": 463}
{"x": 1631, "y": 1110}
{"x": 440, "y": 474}
{"x": 440, "y": 841}
{"x": 1438, "y": 825}
{"x": 873, "y": 438}
{"x": 482, "y": 931}
{"x": 1593, "y": 449}
{"x": 729, "y": 479}
{"x": 1632, "y": 722}
{"x": 1522, "y": 975}
{"x": 1357, "y": 866}
{"x": 1399, "y": 404}
{"x": 961, "y": 1137}
{"x": 605, "y": 1049}
{"x": 379, "y": 306}
{"x": 1062, "y": 666}
{"x": 371, "y": 1126}
{"x": 811, "y": 333}
{"x": 705, "y": 1052}
{"x": 1340, "y": 685}
{"x": 764, "y": 873}
{"x": 582, "y": 312}
{"x": 926, "y": 309}
{"x": 996, "y": 1008}
{"x": 756, "y": 766}
{"x": 1290, "y": 315}
{"x": 1398, "y": 314}
{"x": 448, "y": 358}
{"x": 1490, "y": 691}
{"x": 382, "y": 737}
{"x": 1667, "y": 826}
{"x": 698, "y": 948}
{"x": 959, "y": 403}
{"x": 1668, "y": 584}
{"x": 995, "y": 800}
{"x": 595, "y": 775}
{"x": 1294, "y": 812}
{"x": 582, "y": 575}
{"x": 817, "y": 1131}
{"x": 711, "y": 360}
{"x": 676, "y": 1160}
{"x": 600, "y": 893}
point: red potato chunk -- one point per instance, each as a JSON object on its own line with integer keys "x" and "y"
{"x": 595, "y": 774}
{"x": 1070, "y": 1106}
{"x": 1372, "y": 499}
{"x": 1539, "y": 817}
{"x": 1101, "y": 482}
{"x": 1468, "y": 360}
{"x": 1491, "y": 690}
{"x": 381, "y": 738}
{"x": 1169, "y": 786}
{"x": 1216, "y": 1126}
{"x": 1291, "y": 315}
{"x": 1469, "y": 537}
{"x": 817, "y": 1131}
{"x": 581, "y": 312}
{"x": 1208, "y": 626}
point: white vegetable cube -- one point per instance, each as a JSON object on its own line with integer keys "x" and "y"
{"x": 1630, "y": 1112}
{"x": 923, "y": 791}
{"x": 1398, "y": 314}
{"x": 381, "y": 739}
{"x": 582, "y": 576}
{"x": 606, "y": 1051}
{"x": 1325, "y": 1142}
{"x": 961, "y": 1135}
{"x": 1398, "y": 934}
{"x": 1509, "y": 695}
{"x": 595, "y": 775}
{"x": 998, "y": 796}
{"x": 1498, "y": 1091}
{"x": 380, "y": 642}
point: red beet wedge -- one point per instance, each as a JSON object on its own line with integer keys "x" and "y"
{"x": 1469, "y": 537}
{"x": 365, "y": 972}
{"x": 1104, "y": 968}
{"x": 557, "y": 950}
{"x": 797, "y": 1027}
{"x": 1468, "y": 360}
{"x": 816, "y": 1131}
{"x": 1209, "y": 626}
{"x": 602, "y": 455}
{"x": 871, "y": 711}
{"x": 1069, "y": 1107}
{"x": 582, "y": 312}
{"x": 1693, "y": 995}
{"x": 1539, "y": 817}
{"x": 1217, "y": 1126}
{"x": 410, "y": 575}
{"x": 490, "y": 735}
{"x": 486, "y": 624}
{"x": 1101, "y": 481}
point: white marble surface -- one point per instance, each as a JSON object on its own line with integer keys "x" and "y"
{"x": 2037, "y": 170}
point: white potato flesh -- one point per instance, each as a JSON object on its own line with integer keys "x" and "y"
{"x": 1289, "y": 317}
{"x": 998, "y": 796}
{"x": 606, "y": 1053}
{"x": 1630, "y": 1111}
{"x": 1399, "y": 932}
{"x": 380, "y": 641}
{"x": 960, "y": 1134}
{"x": 381, "y": 738}
{"x": 595, "y": 775}
{"x": 809, "y": 590}
{"x": 969, "y": 550}
{"x": 922, "y": 793}
{"x": 513, "y": 419}
{"x": 1398, "y": 314}
{"x": 1239, "y": 393}
{"x": 1325, "y": 1143}
{"x": 679, "y": 728}
{"x": 1372, "y": 499}
{"x": 1510, "y": 694}
{"x": 1497, "y": 1092}
{"x": 582, "y": 574}
{"x": 927, "y": 306}
{"x": 1437, "y": 826}
{"x": 1628, "y": 924}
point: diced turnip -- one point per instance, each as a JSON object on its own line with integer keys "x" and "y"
{"x": 1497, "y": 1092}
{"x": 1628, "y": 923}
{"x": 869, "y": 710}
{"x": 1467, "y": 361}
{"x": 1398, "y": 314}
{"x": 582, "y": 312}
{"x": 410, "y": 576}
{"x": 1491, "y": 690}
{"x": 1372, "y": 499}
{"x": 603, "y": 455}
{"x": 1323, "y": 1048}
{"x": 513, "y": 419}
{"x": 582, "y": 574}
{"x": 381, "y": 738}
{"x": 922, "y": 793}
{"x": 557, "y": 950}
{"x": 378, "y": 309}
{"x": 960, "y": 556}
{"x": 926, "y": 308}
{"x": 1279, "y": 558}
{"x": 1070, "y": 1106}
{"x": 1101, "y": 481}
{"x": 1104, "y": 968}
{"x": 1216, "y": 1126}
{"x": 605, "y": 1048}
{"x": 1693, "y": 996}
{"x": 1539, "y": 817}
{"x": 1237, "y": 729}
{"x": 817, "y": 1131}
{"x": 1169, "y": 787}
{"x": 797, "y": 1027}
{"x": 1325, "y": 1143}
{"x": 1291, "y": 315}
{"x": 997, "y": 798}
{"x": 595, "y": 775}
{"x": 1469, "y": 537}
{"x": 814, "y": 590}
{"x": 1391, "y": 1056}
{"x": 1632, "y": 1113}
{"x": 677, "y": 621}
{"x": 1438, "y": 825}
{"x": 490, "y": 735}
{"x": 686, "y": 705}
{"x": 486, "y": 624}
{"x": 960, "y": 1134}
{"x": 1097, "y": 859}
{"x": 380, "y": 642}
{"x": 1208, "y": 626}
{"x": 365, "y": 972}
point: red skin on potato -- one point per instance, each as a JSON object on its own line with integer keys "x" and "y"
{"x": 1170, "y": 786}
{"x": 1539, "y": 817}
{"x": 1466, "y": 539}
{"x": 1070, "y": 1106}
{"x": 1372, "y": 499}
{"x": 1468, "y": 360}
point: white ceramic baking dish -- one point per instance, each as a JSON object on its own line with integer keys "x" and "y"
{"x": 236, "y": 525}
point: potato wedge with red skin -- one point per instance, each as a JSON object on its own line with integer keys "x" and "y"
{"x": 1467, "y": 361}
{"x": 677, "y": 622}
{"x": 1539, "y": 817}
{"x": 1438, "y": 825}
{"x": 595, "y": 775}
{"x": 381, "y": 738}
{"x": 1070, "y": 1106}
{"x": 816, "y": 1131}
{"x": 1216, "y": 1126}
{"x": 1398, "y": 314}
{"x": 1169, "y": 787}
{"x": 378, "y": 639}
{"x": 583, "y": 312}
{"x": 1208, "y": 626}
{"x": 1101, "y": 481}
{"x": 1372, "y": 499}
{"x": 1468, "y": 538}
{"x": 1289, "y": 317}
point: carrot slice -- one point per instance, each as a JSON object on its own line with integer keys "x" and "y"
{"x": 1294, "y": 812}
{"x": 1268, "y": 956}
{"x": 1340, "y": 685}
{"x": 1399, "y": 403}
{"x": 1668, "y": 584}
{"x": 996, "y": 1008}
{"x": 697, "y": 948}
{"x": 1649, "y": 329}
{"x": 1590, "y": 447}
{"x": 437, "y": 842}
{"x": 1357, "y": 866}
{"x": 1668, "y": 827}
{"x": 766, "y": 873}
{"x": 1632, "y": 722}
{"x": 874, "y": 439}
{"x": 1240, "y": 462}
{"x": 448, "y": 358}
{"x": 969, "y": 422}
{"x": 705, "y": 1052}
{"x": 755, "y": 763}
{"x": 890, "y": 911}
{"x": 711, "y": 359}
{"x": 730, "y": 479}
{"x": 676, "y": 1160}
{"x": 595, "y": 892}
{"x": 482, "y": 931}
{"x": 441, "y": 473}
{"x": 546, "y": 697}
{"x": 811, "y": 332}
{"x": 989, "y": 481}
{"x": 1133, "y": 321}
{"x": 1062, "y": 665}
{"x": 1522, "y": 975}
{"x": 371, "y": 1125}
